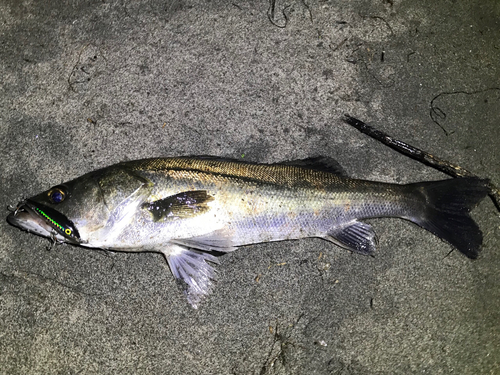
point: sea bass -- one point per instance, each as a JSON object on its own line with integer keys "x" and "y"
{"x": 188, "y": 207}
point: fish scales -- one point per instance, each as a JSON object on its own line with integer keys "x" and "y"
{"x": 286, "y": 175}
{"x": 271, "y": 202}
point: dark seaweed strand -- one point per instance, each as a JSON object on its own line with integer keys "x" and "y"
{"x": 420, "y": 155}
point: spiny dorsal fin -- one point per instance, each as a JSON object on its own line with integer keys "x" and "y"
{"x": 182, "y": 205}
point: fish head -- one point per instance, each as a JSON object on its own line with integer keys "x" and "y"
{"x": 66, "y": 213}
{"x": 84, "y": 210}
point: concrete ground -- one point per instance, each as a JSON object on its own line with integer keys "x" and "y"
{"x": 86, "y": 84}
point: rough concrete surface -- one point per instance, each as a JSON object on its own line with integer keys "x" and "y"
{"x": 85, "y": 84}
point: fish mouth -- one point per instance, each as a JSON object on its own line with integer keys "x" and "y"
{"x": 43, "y": 221}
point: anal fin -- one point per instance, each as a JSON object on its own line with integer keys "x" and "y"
{"x": 356, "y": 236}
{"x": 191, "y": 271}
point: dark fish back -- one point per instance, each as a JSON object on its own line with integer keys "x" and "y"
{"x": 279, "y": 174}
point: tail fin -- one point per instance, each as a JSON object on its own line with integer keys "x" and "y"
{"x": 446, "y": 213}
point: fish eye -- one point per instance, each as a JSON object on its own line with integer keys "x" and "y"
{"x": 56, "y": 195}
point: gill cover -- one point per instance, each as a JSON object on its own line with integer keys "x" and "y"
{"x": 122, "y": 191}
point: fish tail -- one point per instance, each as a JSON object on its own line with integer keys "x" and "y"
{"x": 446, "y": 211}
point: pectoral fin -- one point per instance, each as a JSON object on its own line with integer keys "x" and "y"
{"x": 356, "y": 236}
{"x": 182, "y": 205}
{"x": 191, "y": 271}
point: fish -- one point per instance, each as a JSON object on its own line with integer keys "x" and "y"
{"x": 194, "y": 209}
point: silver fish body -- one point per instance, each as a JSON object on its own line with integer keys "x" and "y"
{"x": 188, "y": 207}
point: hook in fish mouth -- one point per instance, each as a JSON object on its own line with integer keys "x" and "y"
{"x": 44, "y": 221}
{"x": 11, "y": 208}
